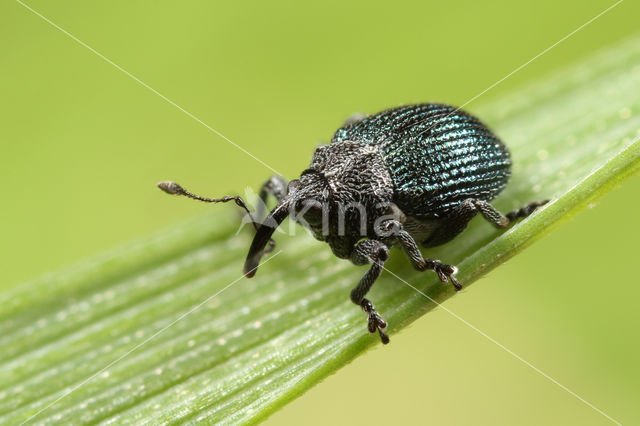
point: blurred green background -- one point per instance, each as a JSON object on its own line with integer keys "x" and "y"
{"x": 83, "y": 145}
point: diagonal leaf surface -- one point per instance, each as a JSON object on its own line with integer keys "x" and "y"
{"x": 140, "y": 335}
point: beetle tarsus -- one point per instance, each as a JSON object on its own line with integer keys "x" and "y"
{"x": 375, "y": 321}
{"x": 525, "y": 211}
{"x": 456, "y": 283}
{"x": 446, "y": 273}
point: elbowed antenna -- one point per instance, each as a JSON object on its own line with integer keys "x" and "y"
{"x": 174, "y": 189}
{"x": 263, "y": 236}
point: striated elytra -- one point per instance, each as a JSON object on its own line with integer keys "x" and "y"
{"x": 407, "y": 175}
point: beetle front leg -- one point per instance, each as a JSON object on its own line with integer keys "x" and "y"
{"x": 275, "y": 186}
{"x": 445, "y": 272}
{"x": 375, "y": 252}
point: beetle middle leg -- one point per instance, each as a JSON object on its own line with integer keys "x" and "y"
{"x": 375, "y": 252}
{"x": 445, "y": 272}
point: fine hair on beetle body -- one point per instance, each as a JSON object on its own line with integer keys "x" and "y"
{"x": 410, "y": 175}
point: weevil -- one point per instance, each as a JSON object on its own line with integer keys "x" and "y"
{"x": 415, "y": 173}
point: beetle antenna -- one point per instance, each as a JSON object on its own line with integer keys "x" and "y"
{"x": 175, "y": 189}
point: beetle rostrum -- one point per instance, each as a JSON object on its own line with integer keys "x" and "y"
{"x": 407, "y": 175}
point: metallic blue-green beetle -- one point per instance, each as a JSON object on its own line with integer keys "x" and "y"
{"x": 407, "y": 174}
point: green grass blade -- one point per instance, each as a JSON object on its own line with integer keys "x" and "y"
{"x": 262, "y": 342}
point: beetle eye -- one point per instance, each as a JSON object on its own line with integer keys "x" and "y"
{"x": 311, "y": 211}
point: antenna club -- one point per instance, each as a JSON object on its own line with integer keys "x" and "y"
{"x": 170, "y": 187}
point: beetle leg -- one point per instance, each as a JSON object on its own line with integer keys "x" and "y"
{"x": 461, "y": 214}
{"x": 276, "y": 186}
{"x": 525, "y": 211}
{"x": 376, "y": 253}
{"x": 445, "y": 272}
{"x": 499, "y": 220}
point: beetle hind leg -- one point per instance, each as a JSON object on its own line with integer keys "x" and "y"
{"x": 525, "y": 211}
{"x": 461, "y": 214}
{"x": 497, "y": 219}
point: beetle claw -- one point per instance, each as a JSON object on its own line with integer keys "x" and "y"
{"x": 446, "y": 273}
{"x": 456, "y": 283}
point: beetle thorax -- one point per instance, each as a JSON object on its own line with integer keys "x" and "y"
{"x": 354, "y": 172}
{"x": 348, "y": 188}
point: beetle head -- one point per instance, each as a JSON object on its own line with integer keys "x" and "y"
{"x": 343, "y": 191}
{"x": 303, "y": 202}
